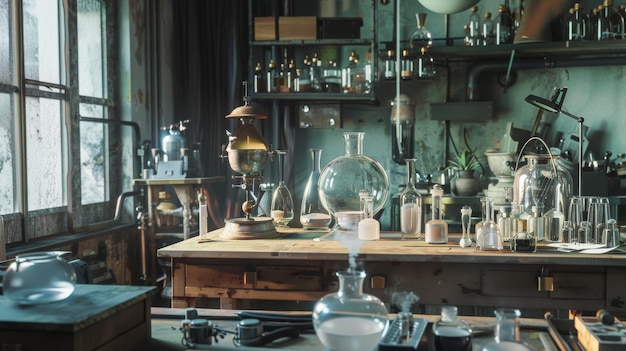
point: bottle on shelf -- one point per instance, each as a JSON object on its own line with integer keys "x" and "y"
{"x": 610, "y": 24}
{"x": 348, "y": 75}
{"x": 518, "y": 14}
{"x": 331, "y": 78}
{"x": 473, "y": 25}
{"x": 425, "y": 65}
{"x": 488, "y": 30}
{"x": 421, "y": 36}
{"x": 272, "y": 78}
{"x": 503, "y": 26}
{"x": 577, "y": 24}
{"x": 436, "y": 229}
{"x": 369, "y": 228}
{"x": 290, "y": 76}
{"x": 258, "y": 81}
{"x": 406, "y": 65}
{"x": 367, "y": 71}
{"x": 390, "y": 65}
{"x": 283, "y": 84}
{"x": 410, "y": 205}
{"x": 316, "y": 73}
{"x": 305, "y": 76}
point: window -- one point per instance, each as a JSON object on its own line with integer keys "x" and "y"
{"x": 59, "y": 158}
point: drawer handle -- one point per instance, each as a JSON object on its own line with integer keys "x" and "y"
{"x": 249, "y": 278}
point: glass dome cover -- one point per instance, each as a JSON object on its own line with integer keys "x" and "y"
{"x": 345, "y": 176}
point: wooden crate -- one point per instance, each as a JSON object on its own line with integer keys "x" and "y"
{"x": 265, "y": 28}
{"x": 297, "y": 27}
{"x": 94, "y": 317}
{"x": 595, "y": 336}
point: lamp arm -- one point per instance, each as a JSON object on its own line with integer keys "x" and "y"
{"x": 578, "y": 118}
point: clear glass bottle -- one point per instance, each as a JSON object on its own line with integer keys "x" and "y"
{"x": 535, "y": 222}
{"x": 488, "y": 30}
{"x": 350, "y": 320}
{"x": 585, "y": 233}
{"x": 568, "y": 233}
{"x": 553, "y": 221}
{"x": 483, "y": 217}
{"x": 347, "y": 74}
{"x": 578, "y": 24}
{"x": 367, "y": 73}
{"x": 282, "y": 202}
{"x": 518, "y": 14}
{"x": 421, "y": 37}
{"x": 272, "y": 78}
{"x": 504, "y": 222}
{"x": 315, "y": 73}
{"x": 406, "y": 66}
{"x": 313, "y": 215}
{"x": 305, "y": 75}
{"x": 466, "y": 223}
{"x": 503, "y": 26}
{"x": 290, "y": 77}
{"x": 473, "y": 25}
{"x": 490, "y": 237}
{"x": 610, "y": 234}
{"x": 425, "y": 65}
{"x": 258, "y": 81}
{"x": 411, "y": 205}
{"x": 390, "y": 65}
{"x": 436, "y": 231}
{"x": 507, "y": 334}
{"x": 369, "y": 228}
{"x": 331, "y": 78}
{"x": 610, "y": 22}
{"x": 345, "y": 176}
{"x": 450, "y": 332}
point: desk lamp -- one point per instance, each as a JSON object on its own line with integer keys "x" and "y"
{"x": 553, "y": 107}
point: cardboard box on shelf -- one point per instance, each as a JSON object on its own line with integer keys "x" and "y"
{"x": 297, "y": 28}
{"x": 265, "y": 28}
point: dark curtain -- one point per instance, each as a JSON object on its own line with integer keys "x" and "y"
{"x": 210, "y": 39}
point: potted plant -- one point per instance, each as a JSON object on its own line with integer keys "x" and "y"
{"x": 465, "y": 163}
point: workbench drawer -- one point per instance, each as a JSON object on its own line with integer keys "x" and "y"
{"x": 260, "y": 277}
{"x": 567, "y": 285}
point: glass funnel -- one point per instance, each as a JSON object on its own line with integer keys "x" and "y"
{"x": 350, "y": 320}
{"x": 345, "y": 176}
{"x": 282, "y": 202}
{"x": 312, "y": 214}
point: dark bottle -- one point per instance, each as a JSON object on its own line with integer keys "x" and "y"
{"x": 451, "y": 333}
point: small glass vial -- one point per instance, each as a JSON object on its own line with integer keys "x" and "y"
{"x": 610, "y": 234}
{"x": 305, "y": 76}
{"x": 535, "y": 222}
{"x": 390, "y": 65}
{"x": 483, "y": 216}
{"x": 436, "y": 228}
{"x": 568, "y": 233}
{"x": 347, "y": 74}
{"x": 406, "y": 66}
{"x": 272, "y": 78}
{"x": 488, "y": 30}
{"x": 504, "y": 222}
{"x": 369, "y": 228}
{"x": 258, "y": 81}
{"x": 474, "y": 27}
{"x": 410, "y": 205}
{"x": 290, "y": 76}
{"x": 425, "y": 65}
{"x": 504, "y": 26}
{"x": 585, "y": 233}
{"x": 466, "y": 223}
{"x": 450, "y": 332}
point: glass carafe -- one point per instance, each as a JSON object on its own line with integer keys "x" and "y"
{"x": 350, "y": 320}
{"x": 421, "y": 37}
{"x": 39, "y": 277}
{"x": 282, "y": 202}
{"x": 312, "y": 214}
{"x": 345, "y": 176}
{"x": 436, "y": 231}
{"x": 451, "y": 333}
{"x": 410, "y": 205}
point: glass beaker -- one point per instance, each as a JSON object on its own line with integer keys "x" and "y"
{"x": 436, "y": 229}
{"x": 350, "y": 320}
{"x": 421, "y": 37}
{"x": 452, "y": 333}
{"x": 585, "y": 232}
{"x": 569, "y": 234}
{"x": 345, "y": 176}
{"x": 598, "y": 214}
{"x": 312, "y": 214}
{"x": 410, "y": 205}
{"x": 369, "y": 228}
{"x": 610, "y": 234}
{"x": 282, "y": 202}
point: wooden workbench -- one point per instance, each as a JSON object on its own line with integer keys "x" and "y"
{"x": 299, "y": 267}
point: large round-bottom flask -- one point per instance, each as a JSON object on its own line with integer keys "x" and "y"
{"x": 343, "y": 178}
{"x": 350, "y": 320}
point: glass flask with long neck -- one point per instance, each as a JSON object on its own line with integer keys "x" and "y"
{"x": 436, "y": 228}
{"x": 282, "y": 202}
{"x": 507, "y": 333}
{"x": 490, "y": 237}
{"x": 421, "y": 37}
{"x": 410, "y": 205}
{"x": 313, "y": 215}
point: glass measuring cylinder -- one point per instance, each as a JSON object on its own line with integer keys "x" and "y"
{"x": 436, "y": 228}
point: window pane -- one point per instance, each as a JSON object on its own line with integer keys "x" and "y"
{"x": 7, "y": 159}
{"x": 91, "y": 48}
{"x": 42, "y": 41}
{"x": 6, "y": 51}
{"x": 93, "y": 156}
{"x": 45, "y": 140}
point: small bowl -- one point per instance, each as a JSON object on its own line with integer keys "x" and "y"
{"x": 448, "y": 6}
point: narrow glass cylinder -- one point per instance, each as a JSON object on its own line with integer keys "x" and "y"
{"x": 436, "y": 231}
{"x": 313, "y": 215}
{"x": 410, "y": 205}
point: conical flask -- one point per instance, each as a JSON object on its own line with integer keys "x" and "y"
{"x": 282, "y": 202}
{"x": 312, "y": 214}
